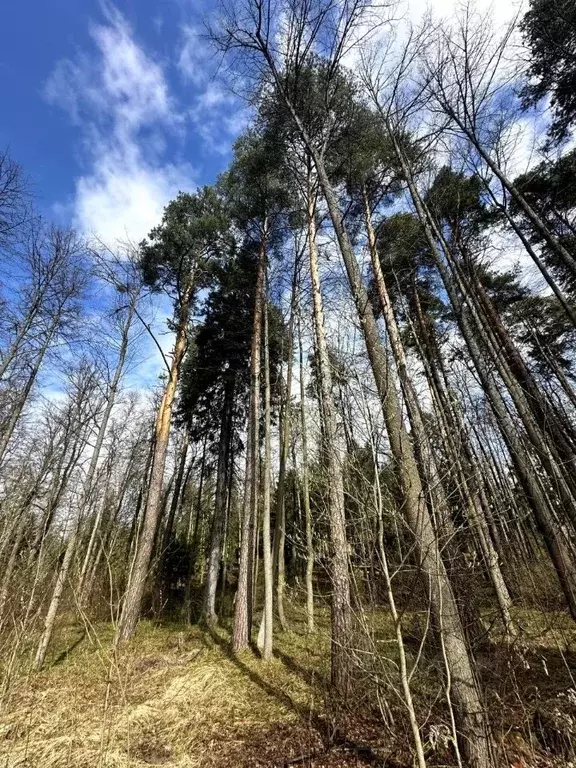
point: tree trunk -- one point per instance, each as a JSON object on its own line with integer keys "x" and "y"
{"x": 339, "y": 569}
{"x": 268, "y": 617}
{"x": 279, "y": 565}
{"x": 139, "y": 571}
{"x": 132, "y": 542}
{"x": 16, "y": 410}
{"x": 10, "y": 566}
{"x": 476, "y": 741}
{"x": 61, "y": 580}
{"x": 539, "y": 225}
{"x": 86, "y": 490}
{"x": 544, "y": 515}
{"x": 306, "y": 495}
{"x": 535, "y": 258}
{"x": 91, "y": 544}
{"x": 166, "y": 535}
{"x": 242, "y": 610}
{"x": 209, "y": 610}
{"x": 192, "y": 539}
{"x": 461, "y": 458}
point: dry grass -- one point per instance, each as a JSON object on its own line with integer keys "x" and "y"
{"x": 173, "y": 696}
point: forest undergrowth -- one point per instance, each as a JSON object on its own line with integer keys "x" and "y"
{"x": 176, "y": 696}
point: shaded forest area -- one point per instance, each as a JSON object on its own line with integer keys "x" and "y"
{"x": 342, "y": 530}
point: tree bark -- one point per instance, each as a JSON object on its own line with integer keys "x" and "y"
{"x": 476, "y": 740}
{"x": 285, "y": 428}
{"x": 339, "y": 568}
{"x": 544, "y": 515}
{"x": 306, "y": 495}
{"x": 242, "y": 611}
{"x": 137, "y": 578}
{"x": 86, "y": 490}
{"x": 209, "y": 610}
{"x": 268, "y": 617}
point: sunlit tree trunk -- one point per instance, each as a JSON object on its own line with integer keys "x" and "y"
{"x": 139, "y": 569}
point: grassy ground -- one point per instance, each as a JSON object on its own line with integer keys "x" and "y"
{"x": 176, "y": 697}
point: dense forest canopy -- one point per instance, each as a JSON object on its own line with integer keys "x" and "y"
{"x": 363, "y": 437}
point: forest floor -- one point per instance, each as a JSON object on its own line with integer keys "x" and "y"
{"x": 176, "y": 697}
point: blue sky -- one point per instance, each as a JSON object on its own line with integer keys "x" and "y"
{"x": 112, "y": 108}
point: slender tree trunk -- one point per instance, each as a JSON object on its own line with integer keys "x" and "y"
{"x": 91, "y": 544}
{"x": 285, "y": 427}
{"x": 139, "y": 571}
{"x": 10, "y": 566}
{"x": 242, "y": 610}
{"x": 429, "y": 468}
{"x": 16, "y": 410}
{"x": 214, "y": 558}
{"x": 134, "y": 534}
{"x": 539, "y": 225}
{"x": 57, "y": 488}
{"x": 85, "y": 495}
{"x": 192, "y": 538}
{"x": 544, "y": 515}
{"x": 339, "y": 568}
{"x": 535, "y": 258}
{"x": 306, "y": 495}
{"x": 268, "y": 617}
{"x": 90, "y": 579}
{"x": 554, "y": 428}
{"x": 176, "y": 496}
{"x": 476, "y": 740}
{"x": 470, "y": 481}
{"x": 405, "y": 675}
{"x": 61, "y": 580}
{"x": 28, "y": 321}
{"x": 224, "y": 558}
{"x": 166, "y": 535}
{"x": 16, "y": 532}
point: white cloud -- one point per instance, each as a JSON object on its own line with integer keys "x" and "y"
{"x": 218, "y": 117}
{"x": 121, "y": 82}
{"x": 193, "y": 55}
{"x": 121, "y": 201}
{"x": 133, "y": 83}
{"x": 120, "y": 99}
{"x": 216, "y": 112}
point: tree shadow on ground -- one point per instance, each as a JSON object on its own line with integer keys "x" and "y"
{"x": 63, "y": 655}
{"x": 330, "y": 735}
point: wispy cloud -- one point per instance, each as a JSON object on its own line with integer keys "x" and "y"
{"x": 194, "y": 55}
{"x": 217, "y": 114}
{"x": 119, "y": 97}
